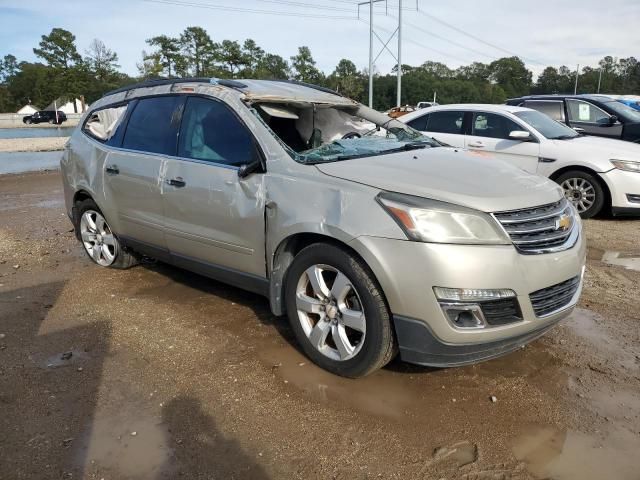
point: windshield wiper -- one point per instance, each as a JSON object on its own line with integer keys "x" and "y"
{"x": 415, "y": 145}
{"x": 565, "y": 137}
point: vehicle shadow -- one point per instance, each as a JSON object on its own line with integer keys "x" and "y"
{"x": 200, "y": 449}
{"x": 49, "y": 382}
{"x": 259, "y": 306}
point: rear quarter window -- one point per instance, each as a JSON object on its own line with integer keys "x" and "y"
{"x": 102, "y": 124}
{"x": 419, "y": 123}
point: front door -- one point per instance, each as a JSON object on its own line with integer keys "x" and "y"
{"x": 593, "y": 120}
{"x": 214, "y": 220}
{"x": 490, "y": 133}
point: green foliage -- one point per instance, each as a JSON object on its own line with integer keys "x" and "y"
{"x": 58, "y": 49}
{"x": 304, "y": 67}
{"x": 65, "y": 74}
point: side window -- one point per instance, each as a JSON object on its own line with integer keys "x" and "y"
{"x": 152, "y": 125}
{"x": 211, "y": 132}
{"x": 103, "y": 124}
{"x": 580, "y": 111}
{"x": 493, "y": 125}
{"x": 419, "y": 123}
{"x": 445, "y": 122}
{"x": 552, "y": 109}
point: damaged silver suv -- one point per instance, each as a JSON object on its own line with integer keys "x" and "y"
{"x": 371, "y": 237}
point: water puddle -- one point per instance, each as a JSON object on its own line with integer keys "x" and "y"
{"x": 66, "y": 359}
{"x": 126, "y": 446}
{"x": 36, "y": 132}
{"x": 20, "y": 162}
{"x": 629, "y": 262}
{"x": 568, "y": 455}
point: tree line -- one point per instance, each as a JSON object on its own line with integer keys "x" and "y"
{"x": 64, "y": 73}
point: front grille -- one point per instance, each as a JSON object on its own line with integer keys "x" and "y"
{"x": 501, "y": 312}
{"x": 554, "y": 298}
{"x": 539, "y": 229}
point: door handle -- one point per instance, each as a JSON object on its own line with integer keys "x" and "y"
{"x": 112, "y": 169}
{"x": 476, "y": 145}
{"x": 176, "y": 182}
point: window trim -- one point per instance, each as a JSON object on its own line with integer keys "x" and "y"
{"x": 516, "y": 120}
{"x": 135, "y": 100}
{"x": 588, "y": 103}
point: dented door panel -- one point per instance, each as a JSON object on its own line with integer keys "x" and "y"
{"x": 215, "y": 217}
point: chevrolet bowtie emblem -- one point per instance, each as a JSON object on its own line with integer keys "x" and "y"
{"x": 563, "y": 223}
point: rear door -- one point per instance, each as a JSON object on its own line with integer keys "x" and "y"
{"x": 132, "y": 172}
{"x": 214, "y": 220}
{"x": 592, "y": 119}
{"x": 445, "y": 126}
{"x": 490, "y": 133}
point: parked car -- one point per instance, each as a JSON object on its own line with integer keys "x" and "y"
{"x": 591, "y": 114}
{"x": 370, "y": 236}
{"x": 426, "y": 105}
{"x": 594, "y": 172}
{"x": 48, "y": 116}
{"x": 396, "y": 112}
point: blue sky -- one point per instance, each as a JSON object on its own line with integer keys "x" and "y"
{"x": 543, "y": 32}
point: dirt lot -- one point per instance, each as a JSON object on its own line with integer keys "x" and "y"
{"x": 173, "y": 375}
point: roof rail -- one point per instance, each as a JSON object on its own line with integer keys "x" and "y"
{"x": 171, "y": 81}
{"x": 310, "y": 85}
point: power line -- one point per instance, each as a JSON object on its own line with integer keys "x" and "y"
{"x": 444, "y": 39}
{"x": 226, "y": 8}
{"x": 478, "y": 39}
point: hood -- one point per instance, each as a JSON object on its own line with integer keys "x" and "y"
{"x": 449, "y": 175}
{"x": 597, "y": 150}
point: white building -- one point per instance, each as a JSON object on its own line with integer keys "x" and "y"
{"x": 27, "y": 110}
{"x": 68, "y": 107}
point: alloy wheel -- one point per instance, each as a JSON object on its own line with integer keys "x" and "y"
{"x": 330, "y": 312}
{"x": 97, "y": 238}
{"x": 580, "y": 192}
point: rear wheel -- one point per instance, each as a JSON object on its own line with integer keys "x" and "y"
{"x": 584, "y": 191}
{"x": 99, "y": 241}
{"x": 337, "y": 311}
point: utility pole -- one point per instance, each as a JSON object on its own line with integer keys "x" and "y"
{"x": 575, "y": 88}
{"x": 599, "y": 80}
{"x": 399, "y": 52}
{"x": 370, "y": 53}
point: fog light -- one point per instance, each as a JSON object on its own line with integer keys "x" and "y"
{"x": 472, "y": 294}
{"x": 464, "y": 315}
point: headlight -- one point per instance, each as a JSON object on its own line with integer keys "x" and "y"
{"x": 626, "y": 165}
{"x": 425, "y": 220}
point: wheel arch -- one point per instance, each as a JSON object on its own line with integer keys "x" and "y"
{"x": 580, "y": 168}
{"x": 284, "y": 255}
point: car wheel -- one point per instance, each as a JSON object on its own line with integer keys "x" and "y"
{"x": 28, "y": 121}
{"x": 338, "y": 312}
{"x": 584, "y": 191}
{"x": 99, "y": 241}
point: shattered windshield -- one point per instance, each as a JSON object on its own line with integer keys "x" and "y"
{"x": 313, "y": 133}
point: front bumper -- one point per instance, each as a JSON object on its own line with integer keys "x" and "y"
{"x": 624, "y": 187}
{"x": 408, "y": 271}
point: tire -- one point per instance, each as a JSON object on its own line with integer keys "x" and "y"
{"x": 584, "y": 190}
{"x": 28, "y": 121}
{"x": 355, "y": 311}
{"x": 52, "y": 121}
{"x": 93, "y": 230}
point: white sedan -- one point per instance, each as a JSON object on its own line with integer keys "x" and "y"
{"x": 594, "y": 172}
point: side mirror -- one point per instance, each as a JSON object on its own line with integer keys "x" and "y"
{"x": 578, "y": 129}
{"x": 613, "y": 119}
{"x": 520, "y": 135}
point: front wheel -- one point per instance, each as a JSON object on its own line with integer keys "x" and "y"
{"x": 337, "y": 311}
{"x": 584, "y": 191}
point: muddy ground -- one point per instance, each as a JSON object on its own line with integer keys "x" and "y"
{"x": 172, "y": 375}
